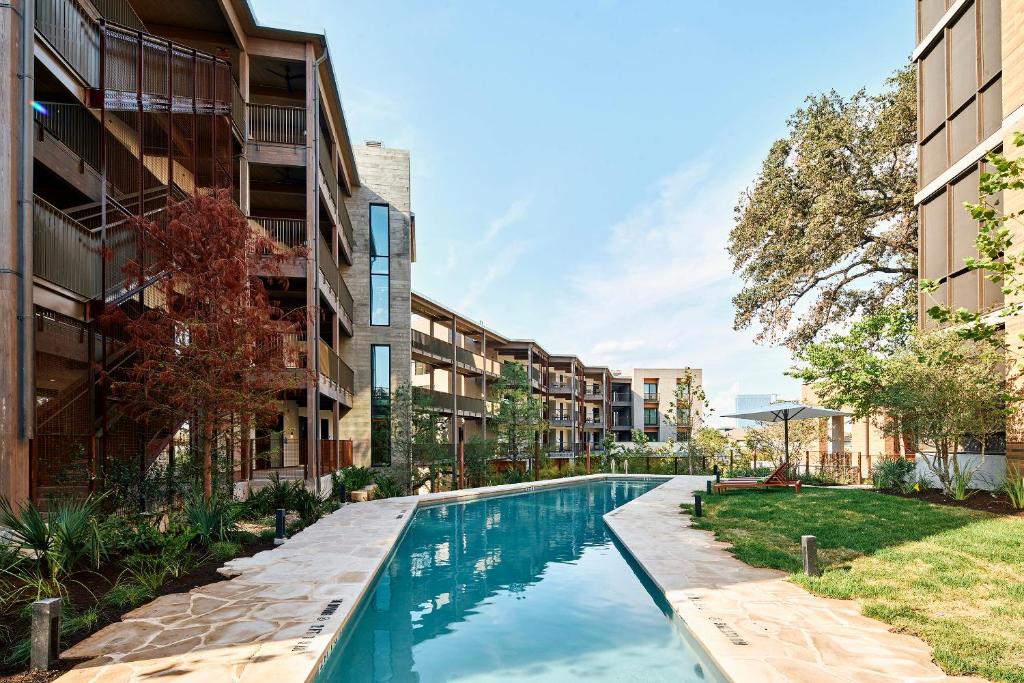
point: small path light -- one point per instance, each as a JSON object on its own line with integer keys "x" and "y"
{"x": 279, "y": 536}
{"x": 697, "y": 509}
{"x": 708, "y": 482}
{"x": 341, "y": 494}
{"x": 45, "y": 633}
{"x": 809, "y": 550}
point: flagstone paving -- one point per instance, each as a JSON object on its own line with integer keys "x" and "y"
{"x": 277, "y": 618}
{"x": 757, "y": 625}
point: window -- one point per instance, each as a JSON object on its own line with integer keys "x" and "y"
{"x": 650, "y": 391}
{"x": 933, "y": 89}
{"x": 380, "y": 265}
{"x": 380, "y": 405}
{"x": 650, "y": 417}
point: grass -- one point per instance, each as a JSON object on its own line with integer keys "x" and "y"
{"x": 951, "y": 576}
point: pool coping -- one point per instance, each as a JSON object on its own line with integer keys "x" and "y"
{"x": 752, "y": 622}
{"x": 274, "y": 623}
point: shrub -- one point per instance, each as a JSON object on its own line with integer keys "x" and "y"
{"x": 1013, "y": 486}
{"x": 66, "y": 538}
{"x": 959, "y": 485}
{"x": 309, "y": 505}
{"x": 356, "y": 477}
{"x": 126, "y": 594}
{"x": 211, "y": 520}
{"x": 147, "y": 571}
{"x": 222, "y": 551}
{"x": 892, "y": 473}
{"x": 387, "y": 487}
{"x": 128, "y": 533}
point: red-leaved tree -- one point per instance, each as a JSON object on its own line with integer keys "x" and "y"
{"x": 208, "y": 344}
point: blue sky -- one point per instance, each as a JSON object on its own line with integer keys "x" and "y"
{"x": 585, "y": 157}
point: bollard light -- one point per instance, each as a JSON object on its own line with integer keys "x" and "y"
{"x": 709, "y": 487}
{"x": 697, "y": 510}
{"x": 45, "y": 633}
{"x": 809, "y": 550}
{"x": 279, "y": 536}
{"x": 341, "y": 494}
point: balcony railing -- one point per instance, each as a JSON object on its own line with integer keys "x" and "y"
{"x": 442, "y": 401}
{"x": 75, "y": 127}
{"x": 73, "y": 33}
{"x": 621, "y": 421}
{"x": 560, "y": 388}
{"x": 431, "y": 344}
{"x": 560, "y": 417}
{"x": 536, "y": 375}
{"x": 336, "y": 370}
{"x": 345, "y": 234}
{"x": 622, "y": 397}
{"x": 332, "y": 276}
{"x": 288, "y": 232}
{"x": 592, "y": 395}
{"x": 277, "y": 124}
{"x": 650, "y": 396}
{"x": 328, "y": 173}
{"x": 64, "y": 251}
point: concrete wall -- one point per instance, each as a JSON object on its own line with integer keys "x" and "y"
{"x": 384, "y": 174}
{"x": 667, "y": 379}
{"x": 989, "y": 472}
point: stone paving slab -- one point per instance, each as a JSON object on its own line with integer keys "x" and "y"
{"x": 757, "y": 625}
{"x": 279, "y": 615}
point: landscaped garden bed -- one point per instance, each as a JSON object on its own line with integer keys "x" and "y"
{"x": 953, "y": 576}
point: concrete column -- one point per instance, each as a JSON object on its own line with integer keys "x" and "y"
{"x": 17, "y": 363}
{"x": 312, "y": 274}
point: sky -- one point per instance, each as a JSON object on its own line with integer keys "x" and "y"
{"x": 575, "y": 164}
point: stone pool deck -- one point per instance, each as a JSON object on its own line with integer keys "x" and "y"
{"x": 757, "y": 625}
{"x": 277, "y": 618}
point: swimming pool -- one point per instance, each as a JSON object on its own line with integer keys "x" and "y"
{"x": 528, "y": 587}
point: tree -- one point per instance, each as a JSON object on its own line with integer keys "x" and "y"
{"x": 947, "y": 391}
{"x": 418, "y": 434}
{"x": 518, "y": 416}
{"x": 686, "y": 410}
{"x": 768, "y": 442}
{"x": 828, "y": 230}
{"x": 209, "y": 344}
{"x": 709, "y": 444}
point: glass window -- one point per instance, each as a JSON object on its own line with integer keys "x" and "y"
{"x": 933, "y": 88}
{"x": 963, "y": 59}
{"x": 650, "y": 390}
{"x": 991, "y": 40}
{"x": 650, "y": 417}
{"x": 963, "y": 132}
{"x": 380, "y": 265}
{"x": 934, "y": 218}
{"x": 992, "y": 108}
{"x": 380, "y": 405}
{"x": 933, "y": 157}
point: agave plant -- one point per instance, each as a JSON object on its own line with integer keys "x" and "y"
{"x": 59, "y": 542}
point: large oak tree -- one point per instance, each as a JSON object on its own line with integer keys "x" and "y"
{"x": 828, "y": 231}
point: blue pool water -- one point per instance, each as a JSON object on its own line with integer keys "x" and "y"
{"x": 528, "y": 587}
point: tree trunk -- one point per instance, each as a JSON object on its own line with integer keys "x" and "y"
{"x": 207, "y": 459}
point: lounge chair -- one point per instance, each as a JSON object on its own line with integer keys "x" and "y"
{"x": 775, "y": 479}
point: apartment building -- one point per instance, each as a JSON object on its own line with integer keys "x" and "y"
{"x": 649, "y": 399}
{"x": 114, "y": 108}
{"x": 970, "y": 60}
{"x": 455, "y": 359}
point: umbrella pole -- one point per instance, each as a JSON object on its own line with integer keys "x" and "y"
{"x": 785, "y": 431}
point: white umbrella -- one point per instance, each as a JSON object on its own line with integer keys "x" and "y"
{"x": 784, "y": 412}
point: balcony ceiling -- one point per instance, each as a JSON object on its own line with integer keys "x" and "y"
{"x": 197, "y": 15}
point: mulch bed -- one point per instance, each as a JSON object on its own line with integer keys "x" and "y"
{"x": 86, "y": 588}
{"x": 989, "y": 501}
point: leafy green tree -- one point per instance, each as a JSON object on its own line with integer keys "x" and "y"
{"x": 828, "y": 230}
{"x": 518, "y": 415}
{"x": 687, "y": 411}
{"x": 710, "y": 444}
{"x": 418, "y": 435}
{"x": 767, "y": 441}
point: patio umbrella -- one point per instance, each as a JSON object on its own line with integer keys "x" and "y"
{"x": 784, "y": 412}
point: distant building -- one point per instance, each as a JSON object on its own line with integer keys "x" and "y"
{"x": 748, "y": 402}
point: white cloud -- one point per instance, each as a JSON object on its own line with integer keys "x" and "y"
{"x": 664, "y": 298}
{"x": 513, "y": 214}
{"x": 485, "y": 263}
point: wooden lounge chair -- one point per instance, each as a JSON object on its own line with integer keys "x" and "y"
{"x": 775, "y": 479}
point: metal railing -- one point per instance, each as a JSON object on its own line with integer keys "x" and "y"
{"x": 431, "y": 344}
{"x": 332, "y": 276}
{"x": 650, "y": 396}
{"x": 64, "y": 251}
{"x": 442, "y": 401}
{"x": 277, "y": 124}
{"x": 536, "y": 375}
{"x": 345, "y": 235}
{"x": 72, "y": 32}
{"x": 74, "y": 127}
{"x": 238, "y": 116}
{"x": 621, "y": 422}
{"x": 622, "y": 397}
{"x": 335, "y": 369}
{"x": 328, "y": 173}
{"x": 120, "y": 12}
{"x": 560, "y": 387}
{"x": 289, "y": 232}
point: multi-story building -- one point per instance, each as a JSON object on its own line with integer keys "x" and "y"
{"x": 746, "y": 403}
{"x": 454, "y": 359}
{"x": 658, "y": 401}
{"x": 114, "y": 108}
{"x": 970, "y": 60}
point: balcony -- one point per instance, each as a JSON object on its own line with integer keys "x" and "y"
{"x": 650, "y": 396}
{"x": 593, "y": 423}
{"x": 536, "y": 376}
{"x": 335, "y": 283}
{"x": 430, "y": 345}
{"x": 593, "y": 395}
{"x": 560, "y": 388}
{"x": 561, "y": 419}
{"x": 64, "y": 251}
{"x": 73, "y": 33}
{"x": 276, "y": 124}
{"x": 622, "y": 398}
{"x": 442, "y": 402}
{"x": 287, "y": 232}
{"x": 337, "y": 373}
{"x": 621, "y": 422}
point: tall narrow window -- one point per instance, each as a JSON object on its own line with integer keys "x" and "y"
{"x": 380, "y": 405}
{"x": 380, "y": 265}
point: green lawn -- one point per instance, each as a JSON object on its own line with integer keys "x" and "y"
{"x": 952, "y": 576}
